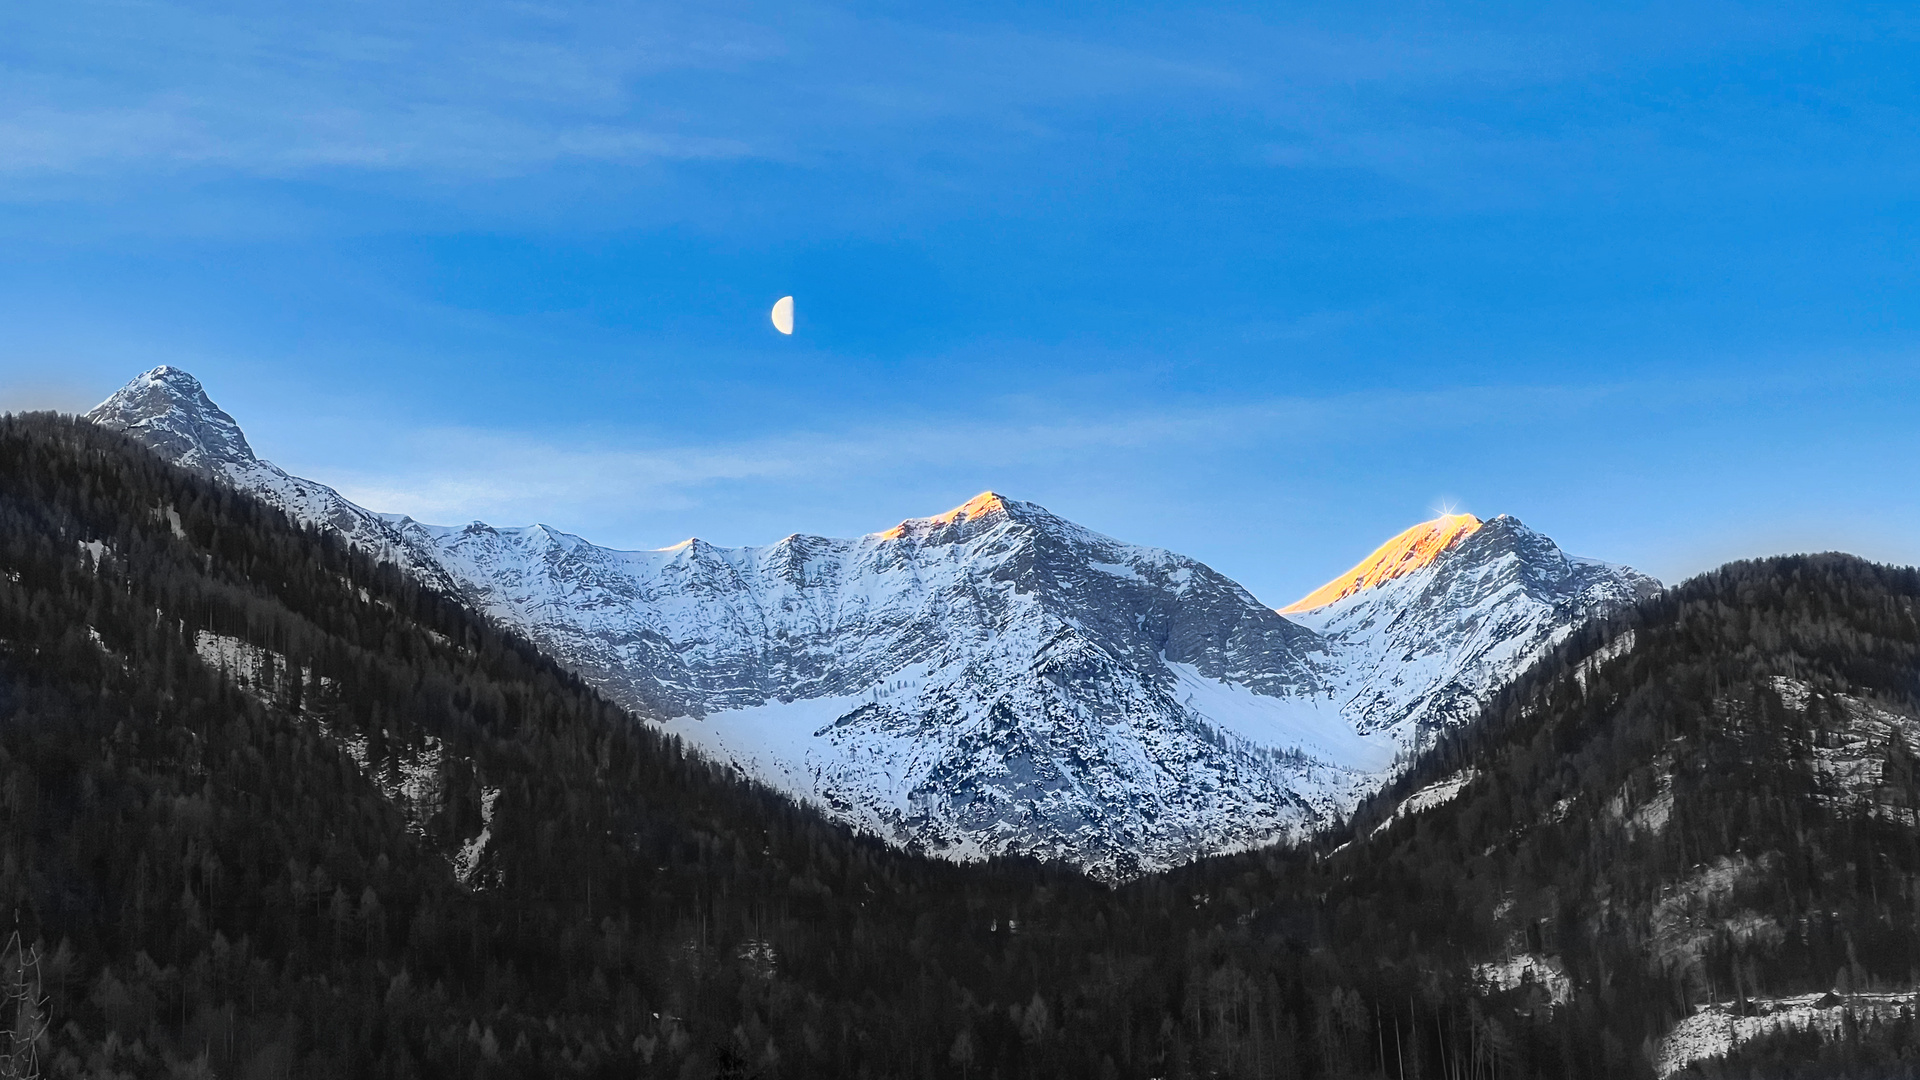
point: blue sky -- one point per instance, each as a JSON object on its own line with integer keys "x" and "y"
{"x": 1260, "y": 283}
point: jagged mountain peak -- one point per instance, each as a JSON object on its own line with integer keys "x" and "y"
{"x": 1541, "y": 563}
{"x": 1430, "y": 644}
{"x": 168, "y": 410}
{"x": 985, "y": 503}
{"x": 1403, "y": 554}
{"x": 985, "y": 510}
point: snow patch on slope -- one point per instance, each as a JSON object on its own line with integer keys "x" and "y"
{"x": 1438, "y": 793}
{"x": 1717, "y": 1029}
{"x": 249, "y": 666}
{"x": 466, "y": 861}
{"x": 1526, "y": 969}
{"x": 411, "y": 777}
{"x": 1854, "y": 751}
{"x": 1309, "y": 727}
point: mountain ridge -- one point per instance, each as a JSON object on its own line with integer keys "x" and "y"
{"x": 276, "y": 810}
{"x": 992, "y": 678}
{"x": 1405, "y": 553}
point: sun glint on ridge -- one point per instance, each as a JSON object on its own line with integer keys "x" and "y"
{"x": 1399, "y": 556}
{"x": 986, "y": 502}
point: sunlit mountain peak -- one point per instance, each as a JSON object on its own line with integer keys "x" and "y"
{"x": 1401, "y": 555}
{"x": 981, "y": 505}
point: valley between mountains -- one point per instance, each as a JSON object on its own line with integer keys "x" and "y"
{"x": 272, "y": 807}
{"x": 994, "y": 679}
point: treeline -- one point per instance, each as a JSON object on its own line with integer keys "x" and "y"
{"x": 216, "y": 877}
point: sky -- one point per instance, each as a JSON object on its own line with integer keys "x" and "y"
{"x": 1260, "y": 283}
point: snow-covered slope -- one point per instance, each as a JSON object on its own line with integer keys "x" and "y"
{"x": 1424, "y": 646}
{"x": 991, "y": 679}
{"x": 995, "y": 678}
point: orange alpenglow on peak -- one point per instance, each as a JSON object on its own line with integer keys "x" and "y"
{"x": 1401, "y": 555}
{"x": 984, "y": 503}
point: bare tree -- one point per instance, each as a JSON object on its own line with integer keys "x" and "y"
{"x": 23, "y": 1009}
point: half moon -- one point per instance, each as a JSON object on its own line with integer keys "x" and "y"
{"x": 783, "y": 314}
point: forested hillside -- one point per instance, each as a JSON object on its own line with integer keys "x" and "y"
{"x": 263, "y": 873}
{"x": 271, "y": 810}
{"x": 1693, "y": 829}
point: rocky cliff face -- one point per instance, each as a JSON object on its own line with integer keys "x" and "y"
{"x": 994, "y": 678}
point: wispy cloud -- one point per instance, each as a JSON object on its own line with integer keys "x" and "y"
{"x": 454, "y": 475}
{"x": 491, "y": 89}
{"x": 484, "y": 90}
{"x": 175, "y": 131}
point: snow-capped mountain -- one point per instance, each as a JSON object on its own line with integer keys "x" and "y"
{"x": 168, "y": 411}
{"x": 991, "y": 679}
{"x": 995, "y": 678}
{"x": 1440, "y": 617}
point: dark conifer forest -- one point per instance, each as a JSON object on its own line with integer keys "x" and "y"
{"x": 272, "y": 810}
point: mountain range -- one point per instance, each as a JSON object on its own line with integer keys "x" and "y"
{"x": 993, "y": 679}
{"x": 272, "y": 808}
